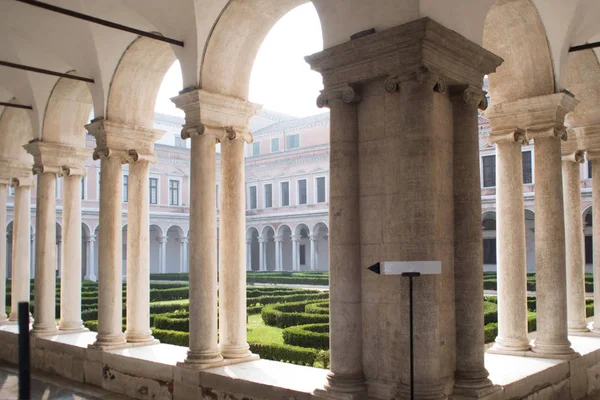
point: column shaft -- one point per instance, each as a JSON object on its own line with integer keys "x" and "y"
{"x": 138, "y": 255}
{"x": 313, "y": 253}
{"x": 163, "y": 254}
{"x": 110, "y": 255}
{"x": 89, "y": 271}
{"x": 277, "y": 254}
{"x": 595, "y": 240}
{"x": 261, "y": 254}
{"x": 468, "y": 253}
{"x": 512, "y": 267}
{"x": 203, "y": 257}
{"x": 295, "y": 261}
{"x": 3, "y": 271}
{"x": 232, "y": 276}
{"x": 45, "y": 254}
{"x": 248, "y": 254}
{"x": 70, "y": 283}
{"x": 551, "y": 286}
{"x": 20, "y": 248}
{"x": 574, "y": 246}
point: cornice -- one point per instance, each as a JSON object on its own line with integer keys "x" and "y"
{"x": 122, "y": 137}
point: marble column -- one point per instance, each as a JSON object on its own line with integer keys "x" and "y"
{"x": 70, "y": 283}
{"x": 138, "y": 250}
{"x": 232, "y": 277}
{"x": 163, "y": 253}
{"x": 249, "y": 254}
{"x": 574, "y": 242}
{"x": 3, "y": 212}
{"x": 471, "y": 376}
{"x": 510, "y": 226}
{"x": 313, "y": 252}
{"x": 110, "y": 250}
{"x": 203, "y": 350}
{"x": 595, "y": 158}
{"x": 21, "y": 244}
{"x": 90, "y": 274}
{"x": 295, "y": 255}
{"x": 262, "y": 259}
{"x": 183, "y": 241}
{"x": 551, "y": 286}
{"x": 32, "y": 256}
{"x": 278, "y": 258}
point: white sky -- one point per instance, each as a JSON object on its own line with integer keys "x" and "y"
{"x": 281, "y": 80}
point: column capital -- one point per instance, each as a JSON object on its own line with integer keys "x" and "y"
{"x": 584, "y": 138}
{"x": 183, "y": 239}
{"x": 401, "y": 53}
{"x": 10, "y": 169}
{"x": 162, "y": 239}
{"x": 313, "y": 236}
{"x": 346, "y": 93}
{"x": 508, "y": 135}
{"x": 263, "y": 239}
{"x": 214, "y": 113}
{"x": 91, "y": 238}
{"x": 576, "y": 157}
{"x": 55, "y": 157}
{"x": 248, "y": 241}
{"x": 469, "y": 94}
{"x": 22, "y": 182}
{"x": 423, "y": 76}
{"x": 143, "y": 155}
{"x": 296, "y": 238}
{"x": 278, "y": 238}
{"x": 116, "y": 139}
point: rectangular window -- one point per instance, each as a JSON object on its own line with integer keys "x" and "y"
{"x": 274, "y": 145}
{"x": 83, "y": 188}
{"x": 256, "y": 149}
{"x": 489, "y": 171}
{"x": 527, "y": 168}
{"x": 321, "y": 189}
{"x": 268, "y": 195}
{"x": 589, "y": 169}
{"x": 174, "y": 192}
{"x": 489, "y": 251}
{"x": 125, "y": 188}
{"x": 302, "y": 254}
{"x": 253, "y": 200}
{"x": 302, "y": 191}
{"x": 285, "y": 194}
{"x": 292, "y": 141}
{"x": 153, "y": 190}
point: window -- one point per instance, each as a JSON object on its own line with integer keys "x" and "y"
{"x": 274, "y": 145}
{"x": 256, "y": 149}
{"x": 589, "y": 169}
{"x": 489, "y": 251}
{"x": 292, "y": 141}
{"x": 321, "y": 189}
{"x": 83, "y": 188}
{"x": 173, "y": 192}
{"x": 125, "y": 188}
{"x": 489, "y": 171}
{"x": 285, "y": 194}
{"x": 153, "y": 190}
{"x": 268, "y": 195}
{"x": 302, "y": 191}
{"x": 302, "y": 254}
{"x": 252, "y": 201}
{"x": 527, "y": 168}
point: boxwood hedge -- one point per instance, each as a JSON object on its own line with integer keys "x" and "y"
{"x": 314, "y": 336}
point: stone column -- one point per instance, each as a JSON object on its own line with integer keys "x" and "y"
{"x": 70, "y": 284}
{"x": 110, "y": 250}
{"x": 313, "y": 252}
{"x": 574, "y": 243}
{"x": 32, "y": 256}
{"x": 183, "y": 254}
{"x": 511, "y": 258}
{"x": 595, "y": 157}
{"x": 138, "y": 250}
{"x": 3, "y": 212}
{"x": 262, "y": 244}
{"x": 471, "y": 376}
{"x": 163, "y": 253}
{"x": 232, "y": 277}
{"x": 551, "y": 286}
{"x": 89, "y": 270}
{"x": 249, "y": 254}
{"x": 21, "y": 244}
{"x": 295, "y": 260}
{"x": 278, "y": 243}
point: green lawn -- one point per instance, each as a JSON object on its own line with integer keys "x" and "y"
{"x": 259, "y": 332}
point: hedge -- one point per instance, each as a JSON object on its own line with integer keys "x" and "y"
{"x": 285, "y": 353}
{"x": 284, "y": 315}
{"x": 490, "y": 312}
{"x": 264, "y": 300}
{"x": 171, "y": 337}
{"x": 314, "y": 336}
{"x": 173, "y": 324}
{"x": 321, "y": 307}
{"x": 291, "y": 280}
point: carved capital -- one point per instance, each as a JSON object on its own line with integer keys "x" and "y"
{"x": 104, "y": 153}
{"x": 190, "y": 130}
{"x": 22, "y": 182}
{"x": 470, "y": 95}
{"x": 425, "y": 76}
{"x": 46, "y": 169}
{"x": 140, "y": 156}
{"x": 73, "y": 171}
{"x": 238, "y": 134}
{"x": 510, "y": 135}
{"x": 550, "y": 131}
{"x": 346, "y": 93}
{"x": 576, "y": 157}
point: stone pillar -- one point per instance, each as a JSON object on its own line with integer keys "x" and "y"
{"x": 595, "y": 157}
{"x": 3, "y": 212}
{"x": 248, "y": 254}
{"x": 138, "y": 250}
{"x": 21, "y": 244}
{"x": 511, "y": 258}
{"x": 278, "y": 258}
{"x": 163, "y": 253}
{"x": 551, "y": 285}
{"x": 574, "y": 242}
{"x": 110, "y": 250}
{"x": 89, "y": 270}
{"x": 471, "y": 375}
{"x": 313, "y": 252}
{"x": 295, "y": 255}
{"x": 70, "y": 284}
{"x": 183, "y": 254}
{"x": 262, "y": 259}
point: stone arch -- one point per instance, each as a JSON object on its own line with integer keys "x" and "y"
{"x": 252, "y": 241}
{"x": 513, "y": 30}
{"x": 15, "y": 131}
{"x": 68, "y": 110}
{"x": 284, "y": 232}
{"x": 136, "y": 82}
{"x": 588, "y": 223}
{"x": 235, "y": 41}
{"x": 86, "y": 231}
{"x": 583, "y": 80}
{"x": 268, "y": 233}
{"x": 156, "y": 232}
{"x": 302, "y": 233}
{"x": 173, "y": 248}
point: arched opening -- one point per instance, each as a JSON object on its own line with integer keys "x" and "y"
{"x": 302, "y": 243}
{"x": 156, "y": 241}
{"x": 86, "y": 264}
{"x": 320, "y": 236}
{"x": 268, "y": 236}
{"x": 530, "y": 240}
{"x": 285, "y": 233}
{"x": 15, "y": 131}
{"x": 252, "y": 242}
{"x": 589, "y": 239}
{"x": 174, "y": 250}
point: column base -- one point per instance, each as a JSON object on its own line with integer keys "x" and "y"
{"x": 44, "y": 330}
{"x": 196, "y": 364}
{"x": 493, "y": 392}
{"x": 71, "y": 326}
{"x": 343, "y": 387}
{"x": 146, "y": 338}
{"x": 562, "y": 351}
{"x": 510, "y": 347}
{"x": 109, "y": 342}
{"x": 235, "y": 352}
{"x": 475, "y": 385}
{"x": 13, "y": 317}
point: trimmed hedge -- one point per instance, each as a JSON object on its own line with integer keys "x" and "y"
{"x": 314, "y": 336}
{"x": 285, "y": 280}
{"x": 264, "y": 300}
{"x": 286, "y": 353}
{"x": 284, "y": 315}
{"x": 490, "y": 312}
{"x": 321, "y": 307}
{"x": 171, "y": 337}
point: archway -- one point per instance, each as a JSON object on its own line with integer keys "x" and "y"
{"x": 285, "y": 233}
{"x": 156, "y": 237}
{"x": 253, "y": 253}
{"x": 268, "y": 235}
{"x": 530, "y": 240}
{"x": 589, "y": 239}
{"x": 320, "y": 236}
{"x": 174, "y": 250}
{"x": 302, "y": 241}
